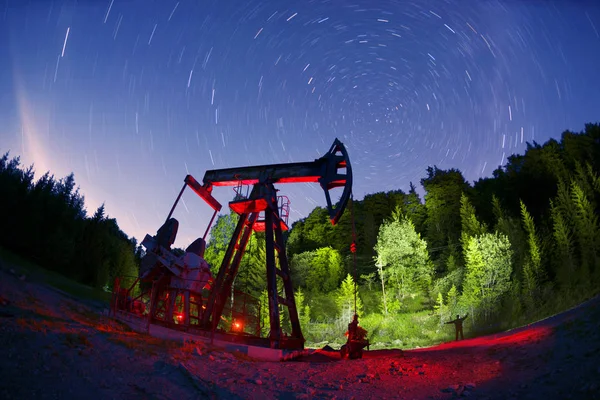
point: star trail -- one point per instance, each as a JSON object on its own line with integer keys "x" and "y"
{"x": 133, "y": 95}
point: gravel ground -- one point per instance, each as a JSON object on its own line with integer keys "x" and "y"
{"x": 53, "y": 346}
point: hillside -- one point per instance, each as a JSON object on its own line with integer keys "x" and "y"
{"x": 57, "y": 346}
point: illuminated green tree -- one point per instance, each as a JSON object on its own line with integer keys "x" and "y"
{"x": 442, "y": 225}
{"x": 469, "y": 223}
{"x": 511, "y": 227}
{"x": 320, "y": 270}
{"x": 586, "y": 223}
{"x": 452, "y": 300}
{"x": 403, "y": 257}
{"x": 345, "y": 299}
{"x": 488, "y": 271}
{"x": 220, "y": 236}
{"x": 251, "y": 277}
{"x": 303, "y": 310}
{"x": 415, "y": 209}
{"x": 532, "y": 268}
{"x": 562, "y": 235}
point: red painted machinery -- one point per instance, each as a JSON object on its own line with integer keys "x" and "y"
{"x": 184, "y": 295}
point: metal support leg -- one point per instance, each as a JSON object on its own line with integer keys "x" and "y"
{"x": 275, "y": 331}
{"x": 218, "y": 284}
{"x": 229, "y": 268}
{"x": 287, "y": 284}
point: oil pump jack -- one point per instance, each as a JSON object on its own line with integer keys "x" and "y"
{"x": 188, "y": 276}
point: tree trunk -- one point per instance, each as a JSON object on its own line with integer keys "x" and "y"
{"x": 380, "y": 268}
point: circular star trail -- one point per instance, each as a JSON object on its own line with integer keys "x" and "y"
{"x": 133, "y": 95}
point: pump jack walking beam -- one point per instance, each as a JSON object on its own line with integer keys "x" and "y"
{"x": 331, "y": 171}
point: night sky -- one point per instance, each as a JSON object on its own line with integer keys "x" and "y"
{"x": 133, "y": 95}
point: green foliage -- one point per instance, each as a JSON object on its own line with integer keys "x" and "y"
{"x": 48, "y": 225}
{"x": 369, "y": 279}
{"x": 405, "y": 330}
{"x": 220, "y": 235}
{"x": 511, "y": 227}
{"x": 595, "y": 178}
{"x": 564, "y": 247}
{"x": 415, "y": 209}
{"x": 488, "y": 271}
{"x": 403, "y": 257}
{"x": 453, "y": 301}
{"x": 452, "y": 263}
{"x": 446, "y": 282}
{"x": 320, "y": 270}
{"x": 265, "y": 318}
{"x": 586, "y": 224}
{"x": 303, "y": 309}
{"x": 469, "y": 223}
{"x": 442, "y": 202}
{"x": 440, "y": 307}
{"x": 532, "y": 273}
{"x": 345, "y": 299}
{"x": 553, "y": 260}
{"x": 251, "y": 277}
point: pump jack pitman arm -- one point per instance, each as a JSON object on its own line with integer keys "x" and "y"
{"x": 324, "y": 170}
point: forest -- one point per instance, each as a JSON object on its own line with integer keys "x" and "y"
{"x": 45, "y": 222}
{"x": 507, "y": 250}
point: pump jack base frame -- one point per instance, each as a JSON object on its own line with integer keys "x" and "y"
{"x": 251, "y": 346}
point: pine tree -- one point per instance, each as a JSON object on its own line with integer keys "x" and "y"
{"x": 562, "y": 238}
{"x": 345, "y": 299}
{"x": 469, "y": 223}
{"x": 584, "y": 180}
{"x": 488, "y": 270}
{"x": 511, "y": 227}
{"x": 594, "y": 178}
{"x": 415, "y": 209}
{"x": 532, "y": 273}
{"x": 474, "y": 265}
{"x": 452, "y": 263}
{"x": 403, "y": 258}
{"x": 586, "y": 222}
{"x": 99, "y": 215}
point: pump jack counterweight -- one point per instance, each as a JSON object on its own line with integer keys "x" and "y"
{"x": 189, "y": 276}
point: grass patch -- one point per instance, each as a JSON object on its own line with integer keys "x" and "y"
{"x": 35, "y": 272}
{"x": 406, "y": 330}
{"x": 401, "y": 330}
